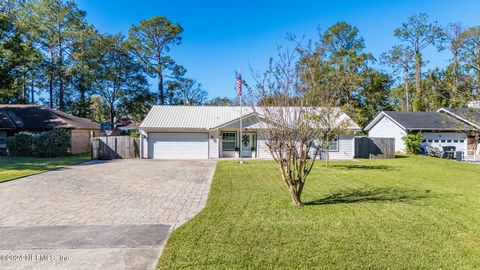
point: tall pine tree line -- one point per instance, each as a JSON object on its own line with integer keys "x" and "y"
{"x": 50, "y": 54}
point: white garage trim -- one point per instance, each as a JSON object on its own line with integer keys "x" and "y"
{"x": 167, "y": 145}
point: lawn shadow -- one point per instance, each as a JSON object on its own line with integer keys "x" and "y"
{"x": 363, "y": 167}
{"x": 373, "y": 195}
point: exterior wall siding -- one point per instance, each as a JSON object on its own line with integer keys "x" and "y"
{"x": 213, "y": 144}
{"x": 386, "y": 128}
{"x": 144, "y": 147}
{"x": 81, "y": 141}
{"x": 346, "y": 149}
{"x": 262, "y": 149}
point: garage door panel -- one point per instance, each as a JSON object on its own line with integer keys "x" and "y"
{"x": 178, "y": 145}
{"x": 445, "y": 139}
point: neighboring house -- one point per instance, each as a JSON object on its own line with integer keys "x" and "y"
{"x": 202, "y": 132}
{"x": 35, "y": 118}
{"x": 446, "y": 127}
{"x": 125, "y": 125}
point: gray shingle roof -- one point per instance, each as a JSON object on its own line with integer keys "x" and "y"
{"x": 426, "y": 120}
{"x": 5, "y": 121}
{"x": 35, "y": 117}
{"x": 469, "y": 114}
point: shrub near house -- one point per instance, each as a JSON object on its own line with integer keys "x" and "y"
{"x": 20, "y": 144}
{"x": 46, "y": 144}
{"x": 413, "y": 142}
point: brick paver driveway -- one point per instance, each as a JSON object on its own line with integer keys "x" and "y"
{"x": 99, "y": 215}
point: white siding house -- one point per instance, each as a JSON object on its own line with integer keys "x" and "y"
{"x": 387, "y": 128}
{"x": 201, "y": 132}
{"x": 439, "y": 128}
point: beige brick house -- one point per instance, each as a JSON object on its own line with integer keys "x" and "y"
{"x": 35, "y": 118}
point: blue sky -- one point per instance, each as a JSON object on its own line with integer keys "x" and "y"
{"x": 222, "y": 36}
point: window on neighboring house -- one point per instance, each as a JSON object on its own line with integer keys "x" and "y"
{"x": 455, "y": 141}
{"x": 436, "y": 141}
{"x": 430, "y": 141}
{"x": 229, "y": 141}
{"x": 3, "y": 140}
{"x": 443, "y": 141}
{"x": 462, "y": 141}
{"x": 333, "y": 147}
{"x": 424, "y": 141}
{"x": 449, "y": 141}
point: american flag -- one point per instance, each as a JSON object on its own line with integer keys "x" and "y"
{"x": 239, "y": 84}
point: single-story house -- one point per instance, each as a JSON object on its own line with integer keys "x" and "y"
{"x": 36, "y": 118}
{"x": 125, "y": 125}
{"x": 446, "y": 127}
{"x": 210, "y": 132}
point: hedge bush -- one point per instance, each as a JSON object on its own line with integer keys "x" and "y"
{"x": 46, "y": 144}
{"x": 20, "y": 144}
{"x": 53, "y": 143}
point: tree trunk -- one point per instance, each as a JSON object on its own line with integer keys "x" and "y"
{"x": 454, "y": 85}
{"x": 407, "y": 96}
{"x": 295, "y": 197}
{"x": 327, "y": 158}
{"x": 418, "y": 73}
{"x": 60, "y": 96}
{"x": 112, "y": 114}
{"x": 32, "y": 90}
{"x": 24, "y": 87}
{"x": 82, "y": 111}
{"x": 160, "y": 88}
{"x": 60, "y": 77}
{"x": 50, "y": 79}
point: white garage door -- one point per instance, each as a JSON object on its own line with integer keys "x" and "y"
{"x": 446, "y": 139}
{"x": 178, "y": 145}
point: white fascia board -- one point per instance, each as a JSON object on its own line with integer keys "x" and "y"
{"x": 378, "y": 118}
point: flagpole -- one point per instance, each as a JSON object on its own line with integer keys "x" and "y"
{"x": 241, "y": 116}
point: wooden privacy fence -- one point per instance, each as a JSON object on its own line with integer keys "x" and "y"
{"x": 114, "y": 147}
{"x": 374, "y": 148}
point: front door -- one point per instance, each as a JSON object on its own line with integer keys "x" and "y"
{"x": 248, "y": 142}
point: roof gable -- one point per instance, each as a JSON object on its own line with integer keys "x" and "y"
{"x": 379, "y": 117}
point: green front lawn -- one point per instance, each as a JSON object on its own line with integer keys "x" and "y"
{"x": 407, "y": 213}
{"x": 15, "y": 167}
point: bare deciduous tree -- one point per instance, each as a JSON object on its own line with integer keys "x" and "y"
{"x": 292, "y": 122}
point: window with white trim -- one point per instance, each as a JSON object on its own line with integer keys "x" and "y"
{"x": 333, "y": 146}
{"x": 229, "y": 141}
